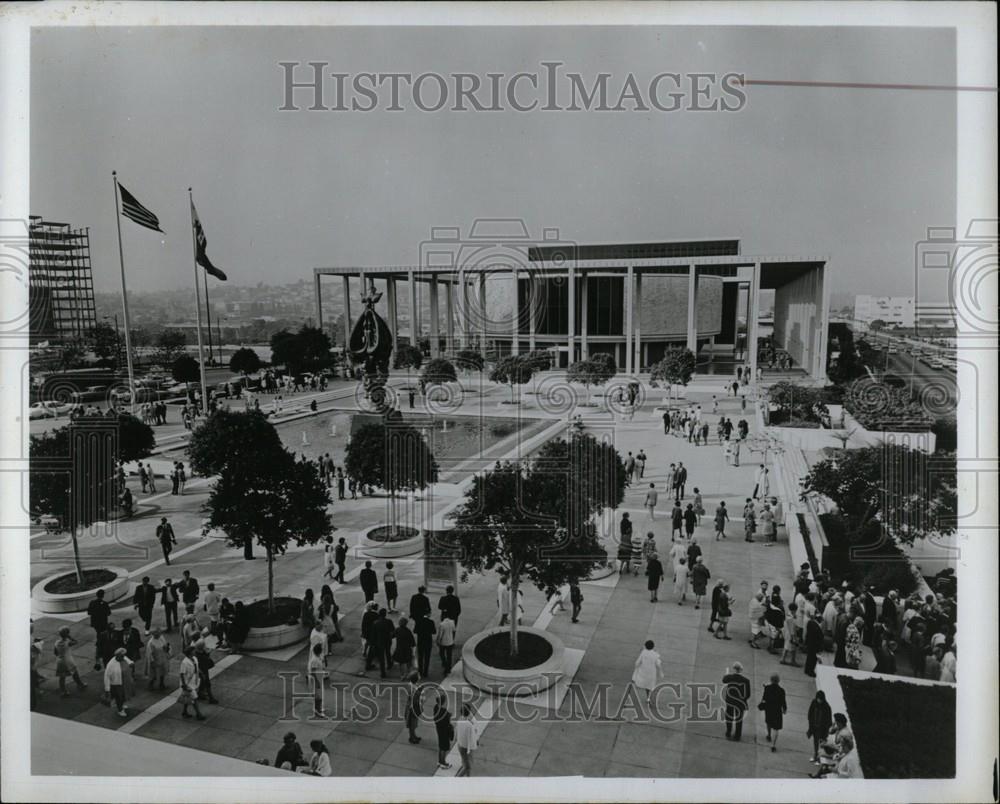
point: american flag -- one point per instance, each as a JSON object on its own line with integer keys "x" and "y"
{"x": 135, "y": 211}
{"x": 202, "y": 242}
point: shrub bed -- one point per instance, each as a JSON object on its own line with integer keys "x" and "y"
{"x": 68, "y": 584}
{"x": 902, "y": 731}
{"x": 532, "y": 651}
{"x": 286, "y": 612}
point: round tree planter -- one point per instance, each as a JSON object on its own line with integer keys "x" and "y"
{"x": 603, "y": 572}
{"x": 376, "y": 548}
{"x": 513, "y": 683}
{"x": 275, "y": 636}
{"x": 53, "y": 603}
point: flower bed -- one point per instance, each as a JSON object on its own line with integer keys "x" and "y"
{"x": 903, "y": 731}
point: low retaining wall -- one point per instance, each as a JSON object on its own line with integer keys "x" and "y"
{"x": 50, "y": 603}
{"x": 514, "y": 683}
{"x": 275, "y": 636}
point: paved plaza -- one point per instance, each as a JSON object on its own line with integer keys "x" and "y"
{"x": 617, "y": 617}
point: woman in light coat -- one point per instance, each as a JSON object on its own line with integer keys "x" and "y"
{"x": 648, "y": 669}
{"x": 157, "y": 659}
{"x": 680, "y": 580}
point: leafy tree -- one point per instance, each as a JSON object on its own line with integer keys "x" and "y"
{"x": 675, "y": 368}
{"x": 888, "y": 492}
{"x": 185, "y": 369}
{"x": 534, "y": 519}
{"x": 244, "y": 361}
{"x": 141, "y": 336}
{"x": 305, "y": 350}
{"x": 877, "y": 325}
{"x": 105, "y": 341}
{"x": 171, "y": 343}
{"x": 438, "y": 371}
{"x": 609, "y": 362}
{"x": 881, "y": 406}
{"x": 273, "y": 500}
{"x": 540, "y": 360}
{"x": 70, "y": 356}
{"x": 135, "y": 438}
{"x": 589, "y": 372}
{"x": 230, "y": 437}
{"x": 469, "y": 360}
{"x": 512, "y": 371}
{"x": 408, "y": 357}
{"x": 391, "y": 455}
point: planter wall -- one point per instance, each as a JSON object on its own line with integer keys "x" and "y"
{"x": 516, "y": 683}
{"x": 275, "y": 636}
{"x": 373, "y": 548}
{"x": 50, "y": 603}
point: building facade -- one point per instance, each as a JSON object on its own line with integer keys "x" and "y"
{"x": 898, "y": 310}
{"x": 632, "y": 300}
{"x": 60, "y": 283}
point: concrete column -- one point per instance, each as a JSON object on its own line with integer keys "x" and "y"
{"x": 347, "y": 309}
{"x": 571, "y": 303}
{"x": 319, "y": 302}
{"x": 823, "y": 318}
{"x": 753, "y": 316}
{"x": 515, "y": 343}
{"x": 390, "y": 300}
{"x": 482, "y": 313}
{"x": 692, "y": 309}
{"x": 449, "y": 304}
{"x": 584, "y": 348}
{"x": 414, "y": 310}
{"x": 637, "y": 317}
{"x": 628, "y": 320}
{"x": 463, "y": 317}
{"x": 435, "y": 317}
{"x": 533, "y": 308}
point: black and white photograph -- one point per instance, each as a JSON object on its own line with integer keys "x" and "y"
{"x": 509, "y": 402}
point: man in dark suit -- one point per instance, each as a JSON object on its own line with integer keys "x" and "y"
{"x": 735, "y": 694}
{"x": 369, "y": 581}
{"x": 682, "y": 477}
{"x": 340, "y": 557}
{"x": 143, "y": 601}
{"x": 449, "y": 605}
{"x": 188, "y": 588}
{"x": 420, "y": 605}
{"x": 99, "y": 612}
{"x": 165, "y": 536}
{"x": 870, "y": 609}
{"x": 169, "y": 598}
{"x": 716, "y": 602}
{"x": 382, "y": 632}
{"x": 814, "y": 643}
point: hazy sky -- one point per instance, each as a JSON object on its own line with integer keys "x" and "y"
{"x": 854, "y": 174}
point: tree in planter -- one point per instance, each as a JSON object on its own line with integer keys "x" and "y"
{"x": 675, "y": 368}
{"x": 534, "y": 520}
{"x": 171, "y": 343}
{"x": 888, "y": 493}
{"x": 391, "y": 455}
{"x": 244, "y": 361}
{"x": 438, "y": 371}
{"x": 877, "y": 325}
{"x": 67, "y": 497}
{"x": 274, "y": 501}
{"x": 512, "y": 371}
{"x": 309, "y": 349}
{"x": 185, "y": 369}
{"x": 589, "y": 372}
{"x": 407, "y": 357}
{"x": 469, "y": 360}
{"x": 104, "y": 339}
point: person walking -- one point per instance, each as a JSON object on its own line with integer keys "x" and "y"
{"x": 755, "y": 613}
{"x": 575, "y": 599}
{"x": 762, "y": 485}
{"x": 681, "y": 482}
{"x": 790, "y": 631}
{"x": 690, "y": 521}
{"x": 65, "y": 662}
{"x": 420, "y": 605}
{"x": 648, "y": 669}
{"x": 175, "y": 478}
{"x": 188, "y": 588}
{"x": 717, "y": 591}
{"x": 205, "y": 663}
{"x": 369, "y": 582}
{"x": 413, "y": 702}
{"x": 721, "y": 515}
{"x": 114, "y": 681}
{"x": 165, "y": 536}
{"x": 368, "y": 620}
{"x": 443, "y": 729}
{"x": 424, "y": 630}
{"x": 391, "y": 587}
{"x": 405, "y": 643}
{"x": 699, "y": 580}
{"x": 169, "y": 598}
{"x": 813, "y": 643}
{"x": 99, "y": 613}
{"x": 503, "y": 600}
{"x": 210, "y": 605}
{"x": 189, "y": 679}
{"x": 329, "y": 558}
{"x": 680, "y": 580}
{"x": 749, "y": 520}
{"x": 654, "y": 574}
{"x": 157, "y": 659}
{"x": 151, "y": 479}
{"x": 316, "y": 670}
{"x": 648, "y": 546}
{"x": 676, "y": 521}
{"x": 819, "y": 720}
{"x": 699, "y": 505}
{"x": 774, "y": 706}
{"x": 143, "y": 601}
{"x": 467, "y": 739}
{"x": 767, "y": 528}
{"x": 736, "y": 696}
{"x": 340, "y": 552}
{"x": 624, "y": 546}
{"x": 640, "y": 464}
{"x": 650, "y": 502}
{"x": 382, "y": 635}
{"x": 446, "y": 642}
{"x": 449, "y": 606}
{"x": 726, "y": 602}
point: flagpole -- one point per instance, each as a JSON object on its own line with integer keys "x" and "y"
{"x": 197, "y": 292}
{"x": 208, "y": 314}
{"x": 128, "y": 326}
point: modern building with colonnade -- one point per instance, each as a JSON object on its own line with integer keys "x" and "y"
{"x": 632, "y": 300}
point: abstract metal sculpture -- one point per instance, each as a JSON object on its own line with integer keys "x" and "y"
{"x": 371, "y": 346}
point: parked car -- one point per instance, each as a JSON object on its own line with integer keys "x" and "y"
{"x": 48, "y": 409}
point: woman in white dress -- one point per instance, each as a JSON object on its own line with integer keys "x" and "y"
{"x": 648, "y": 669}
{"x": 680, "y": 580}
